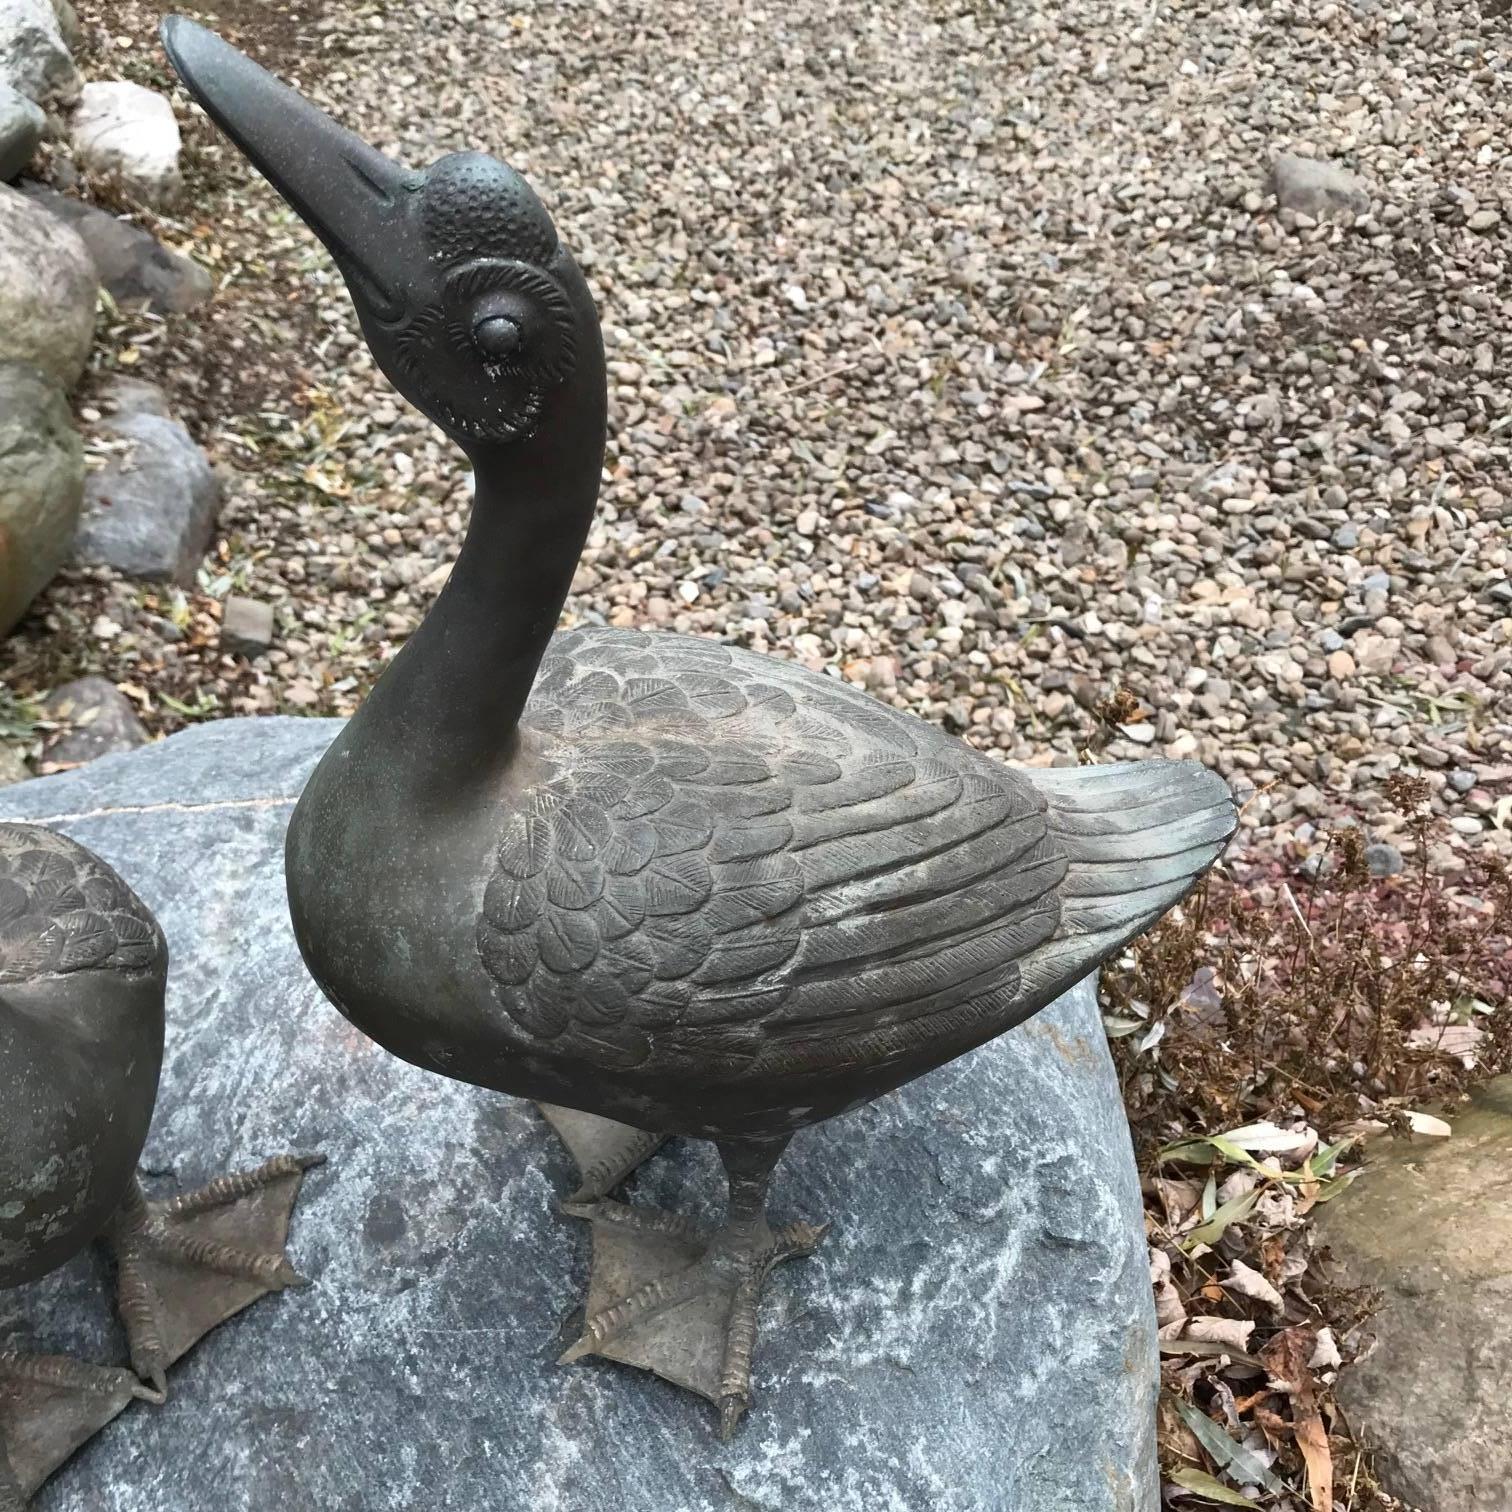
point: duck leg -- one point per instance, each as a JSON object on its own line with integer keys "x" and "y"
{"x": 668, "y": 1299}
{"x": 50, "y": 1405}
{"x": 187, "y": 1264}
{"x": 605, "y": 1152}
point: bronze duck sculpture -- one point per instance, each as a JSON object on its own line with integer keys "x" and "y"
{"x": 655, "y": 878}
{"x": 83, "y": 975}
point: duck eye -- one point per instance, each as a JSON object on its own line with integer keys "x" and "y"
{"x": 497, "y": 337}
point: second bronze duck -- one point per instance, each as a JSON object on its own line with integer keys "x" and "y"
{"x": 83, "y": 976}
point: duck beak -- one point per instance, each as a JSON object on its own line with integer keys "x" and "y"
{"x": 351, "y": 196}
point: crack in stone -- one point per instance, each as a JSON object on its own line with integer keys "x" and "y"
{"x": 161, "y": 808}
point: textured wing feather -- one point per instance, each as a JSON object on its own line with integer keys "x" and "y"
{"x": 733, "y": 867}
{"x": 63, "y": 910}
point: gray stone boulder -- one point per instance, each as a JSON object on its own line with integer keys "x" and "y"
{"x": 246, "y": 626}
{"x": 34, "y": 57}
{"x": 1315, "y": 187}
{"x": 133, "y": 265}
{"x": 1430, "y": 1228}
{"x": 48, "y": 291}
{"x": 93, "y": 718}
{"x": 22, "y": 123}
{"x": 975, "y": 1332}
{"x": 13, "y": 766}
{"x": 130, "y": 135}
{"x": 41, "y": 486}
{"x": 151, "y": 510}
{"x": 68, "y": 24}
{"x": 121, "y": 394}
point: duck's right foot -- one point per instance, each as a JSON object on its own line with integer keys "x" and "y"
{"x": 669, "y": 1299}
{"x": 674, "y": 1301}
{"x": 188, "y": 1264}
{"x": 604, "y": 1151}
{"x": 49, "y": 1406}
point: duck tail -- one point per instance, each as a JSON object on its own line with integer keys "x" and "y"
{"x": 1138, "y": 837}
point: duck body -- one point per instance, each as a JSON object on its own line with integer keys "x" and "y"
{"x": 713, "y": 893}
{"x": 83, "y": 974}
{"x": 652, "y": 878}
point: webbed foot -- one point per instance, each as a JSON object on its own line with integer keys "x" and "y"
{"x": 189, "y": 1263}
{"x": 666, "y": 1298}
{"x": 50, "y": 1405}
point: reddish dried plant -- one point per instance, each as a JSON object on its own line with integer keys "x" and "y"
{"x": 1339, "y": 997}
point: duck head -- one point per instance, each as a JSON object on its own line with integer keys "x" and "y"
{"x": 468, "y": 301}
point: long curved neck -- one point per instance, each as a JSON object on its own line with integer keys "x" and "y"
{"x": 448, "y": 708}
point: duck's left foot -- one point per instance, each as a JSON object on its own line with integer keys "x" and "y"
{"x": 50, "y": 1405}
{"x": 189, "y": 1263}
{"x": 605, "y": 1152}
{"x": 667, "y": 1299}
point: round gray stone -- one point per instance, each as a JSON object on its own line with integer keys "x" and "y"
{"x": 22, "y": 123}
{"x": 34, "y": 55}
{"x": 975, "y": 1332}
{"x": 151, "y": 510}
{"x": 1316, "y": 187}
{"x": 41, "y": 486}
{"x": 48, "y": 291}
{"x": 136, "y": 269}
{"x": 93, "y": 718}
{"x": 128, "y": 134}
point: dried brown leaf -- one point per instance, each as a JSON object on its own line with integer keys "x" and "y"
{"x": 1251, "y": 1283}
{"x": 1286, "y": 1357}
{"x": 1232, "y": 1332}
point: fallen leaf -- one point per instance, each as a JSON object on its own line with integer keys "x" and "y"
{"x": 1459, "y": 1040}
{"x": 1271, "y": 1139}
{"x": 1285, "y": 1356}
{"x": 1325, "y": 1355}
{"x": 1180, "y": 1198}
{"x": 1170, "y": 1310}
{"x": 1207, "y": 1349}
{"x": 1212, "y": 1231}
{"x": 1237, "y": 1183}
{"x": 1244, "y": 1467}
{"x": 1233, "y": 1332}
{"x": 1322, "y": 1162}
{"x": 1251, "y": 1283}
{"x": 1426, "y": 1125}
{"x": 1189, "y": 1478}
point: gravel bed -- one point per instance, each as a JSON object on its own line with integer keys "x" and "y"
{"x": 957, "y": 349}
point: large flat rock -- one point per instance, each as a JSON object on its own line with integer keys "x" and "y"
{"x": 976, "y": 1331}
{"x": 1429, "y": 1226}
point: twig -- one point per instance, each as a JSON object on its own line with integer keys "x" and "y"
{"x": 1354, "y": 1480}
{"x": 1291, "y": 898}
{"x": 808, "y": 383}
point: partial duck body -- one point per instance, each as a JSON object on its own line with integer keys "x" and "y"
{"x": 650, "y": 877}
{"x": 83, "y": 971}
{"x": 83, "y": 974}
